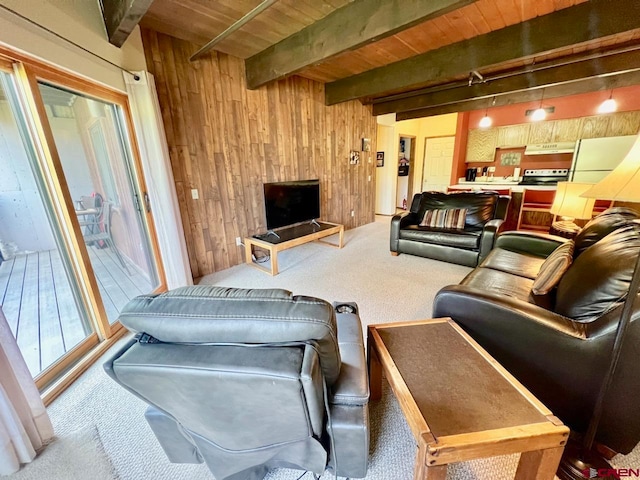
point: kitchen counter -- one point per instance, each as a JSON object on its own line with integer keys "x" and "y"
{"x": 515, "y": 188}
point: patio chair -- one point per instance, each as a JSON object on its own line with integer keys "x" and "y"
{"x": 99, "y": 230}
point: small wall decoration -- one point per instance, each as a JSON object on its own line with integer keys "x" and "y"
{"x": 366, "y": 144}
{"x": 510, "y": 159}
{"x": 354, "y": 158}
{"x": 380, "y": 159}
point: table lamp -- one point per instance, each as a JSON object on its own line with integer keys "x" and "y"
{"x": 569, "y": 204}
{"x": 622, "y": 184}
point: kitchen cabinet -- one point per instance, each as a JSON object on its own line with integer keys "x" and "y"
{"x": 482, "y": 143}
{"x": 594, "y": 127}
{"x": 541, "y": 132}
{"x": 624, "y": 123}
{"x": 566, "y": 130}
{"x": 513, "y": 135}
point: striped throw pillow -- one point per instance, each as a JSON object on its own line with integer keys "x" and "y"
{"x": 553, "y": 268}
{"x": 453, "y": 218}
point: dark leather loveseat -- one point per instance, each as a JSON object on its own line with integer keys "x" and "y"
{"x": 559, "y": 345}
{"x": 485, "y": 214}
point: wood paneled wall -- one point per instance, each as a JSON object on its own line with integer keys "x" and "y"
{"x": 226, "y": 141}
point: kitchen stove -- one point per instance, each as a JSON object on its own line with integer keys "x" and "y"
{"x": 544, "y": 176}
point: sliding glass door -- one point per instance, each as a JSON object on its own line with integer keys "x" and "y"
{"x": 38, "y": 293}
{"x": 97, "y": 166}
{"x": 76, "y": 232}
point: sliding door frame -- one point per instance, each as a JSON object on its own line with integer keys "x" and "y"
{"x": 27, "y": 73}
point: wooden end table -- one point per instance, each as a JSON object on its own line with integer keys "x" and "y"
{"x": 290, "y": 237}
{"x": 459, "y": 402}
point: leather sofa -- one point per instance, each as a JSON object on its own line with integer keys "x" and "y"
{"x": 485, "y": 216}
{"x": 249, "y": 380}
{"x": 559, "y": 345}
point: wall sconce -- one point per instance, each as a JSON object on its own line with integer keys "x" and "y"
{"x": 539, "y": 113}
{"x": 609, "y": 105}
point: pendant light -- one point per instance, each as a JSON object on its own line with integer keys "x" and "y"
{"x": 609, "y": 105}
{"x": 486, "y": 121}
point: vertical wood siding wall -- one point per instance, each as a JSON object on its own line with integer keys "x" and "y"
{"x": 226, "y": 141}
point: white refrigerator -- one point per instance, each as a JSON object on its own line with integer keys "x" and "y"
{"x": 594, "y": 158}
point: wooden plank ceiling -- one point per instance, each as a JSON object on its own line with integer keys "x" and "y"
{"x": 412, "y": 49}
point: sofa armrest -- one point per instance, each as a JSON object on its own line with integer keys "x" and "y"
{"x": 398, "y": 222}
{"x": 538, "y": 244}
{"x": 488, "y": 237}
{"x": 465, "y": 301}
{"x": 352, "y": 385}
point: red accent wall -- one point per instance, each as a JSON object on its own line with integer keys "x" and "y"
{"x": 574, "y": 106}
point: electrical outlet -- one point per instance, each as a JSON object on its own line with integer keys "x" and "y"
{"x": 369, "y": 178}
{"x": 353, "y": 213}
{"x": 238, "y": 241}
{"x": 194, "y": 194}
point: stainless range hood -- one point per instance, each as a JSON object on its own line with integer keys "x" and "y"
{"x": 550, "y": 148}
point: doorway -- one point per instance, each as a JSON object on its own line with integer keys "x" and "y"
{"x": 406, "y": 162}
{"x": 438, "y": 163}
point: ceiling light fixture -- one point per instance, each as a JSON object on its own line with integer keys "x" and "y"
{"x": 540, "y": 113}
{"x": 609, "y": 105}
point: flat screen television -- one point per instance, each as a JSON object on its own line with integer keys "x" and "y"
{"x": 287, "y": 203}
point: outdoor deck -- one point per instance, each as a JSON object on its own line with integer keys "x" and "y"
{"x": 39, "y": 306}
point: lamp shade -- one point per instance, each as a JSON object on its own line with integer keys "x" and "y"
{"x": 569, "y": 203}
{"x": 623, "y": 183}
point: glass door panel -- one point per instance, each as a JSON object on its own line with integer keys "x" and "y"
{"x": 98, "y": 168}
{"x": 38, "y": 294}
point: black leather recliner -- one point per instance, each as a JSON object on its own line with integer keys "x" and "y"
{"x": 249, "y": 380}
{"x": 486, "y": 212}
{"x": 559, "y": 345}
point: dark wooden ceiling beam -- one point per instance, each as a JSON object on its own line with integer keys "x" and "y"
{"x": 574, "y": 25}
{"x": 551, "y": 74}
{"x": 555, "y": 91}
{"x": 352, "y": 26}
{"x": 121, "y": 16}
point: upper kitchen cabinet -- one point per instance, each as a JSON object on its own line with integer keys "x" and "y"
{"x": 513, "y": 135}
{"x": 624, "y": 123}
{"x": 481, "y": 145}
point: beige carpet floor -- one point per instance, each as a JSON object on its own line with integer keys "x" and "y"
{"x": 386, "y": 289}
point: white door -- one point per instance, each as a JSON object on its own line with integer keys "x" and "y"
{"x": 438, "y": 162}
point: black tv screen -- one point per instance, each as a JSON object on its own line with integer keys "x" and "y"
{"x": 287, "y": 203}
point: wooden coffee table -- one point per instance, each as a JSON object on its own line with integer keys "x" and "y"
{"x": 459, "y": 402}
{"x": 290, "y": 237}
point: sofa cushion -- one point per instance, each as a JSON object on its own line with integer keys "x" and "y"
{"x": 601, "y": 226}
{"x": 521, "y": 264}
{"x": 453, "y": 218}
{"x": 469, "y": 238}
{"x": 598, "y": 280}
{"x": 553, "y": 269}
{"x": 499, "y": 282}
{"x": 481, "y": 206}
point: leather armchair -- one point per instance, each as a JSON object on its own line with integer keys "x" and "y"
{"x": 486, "y": 212}
{"x": 249, "y": 380}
